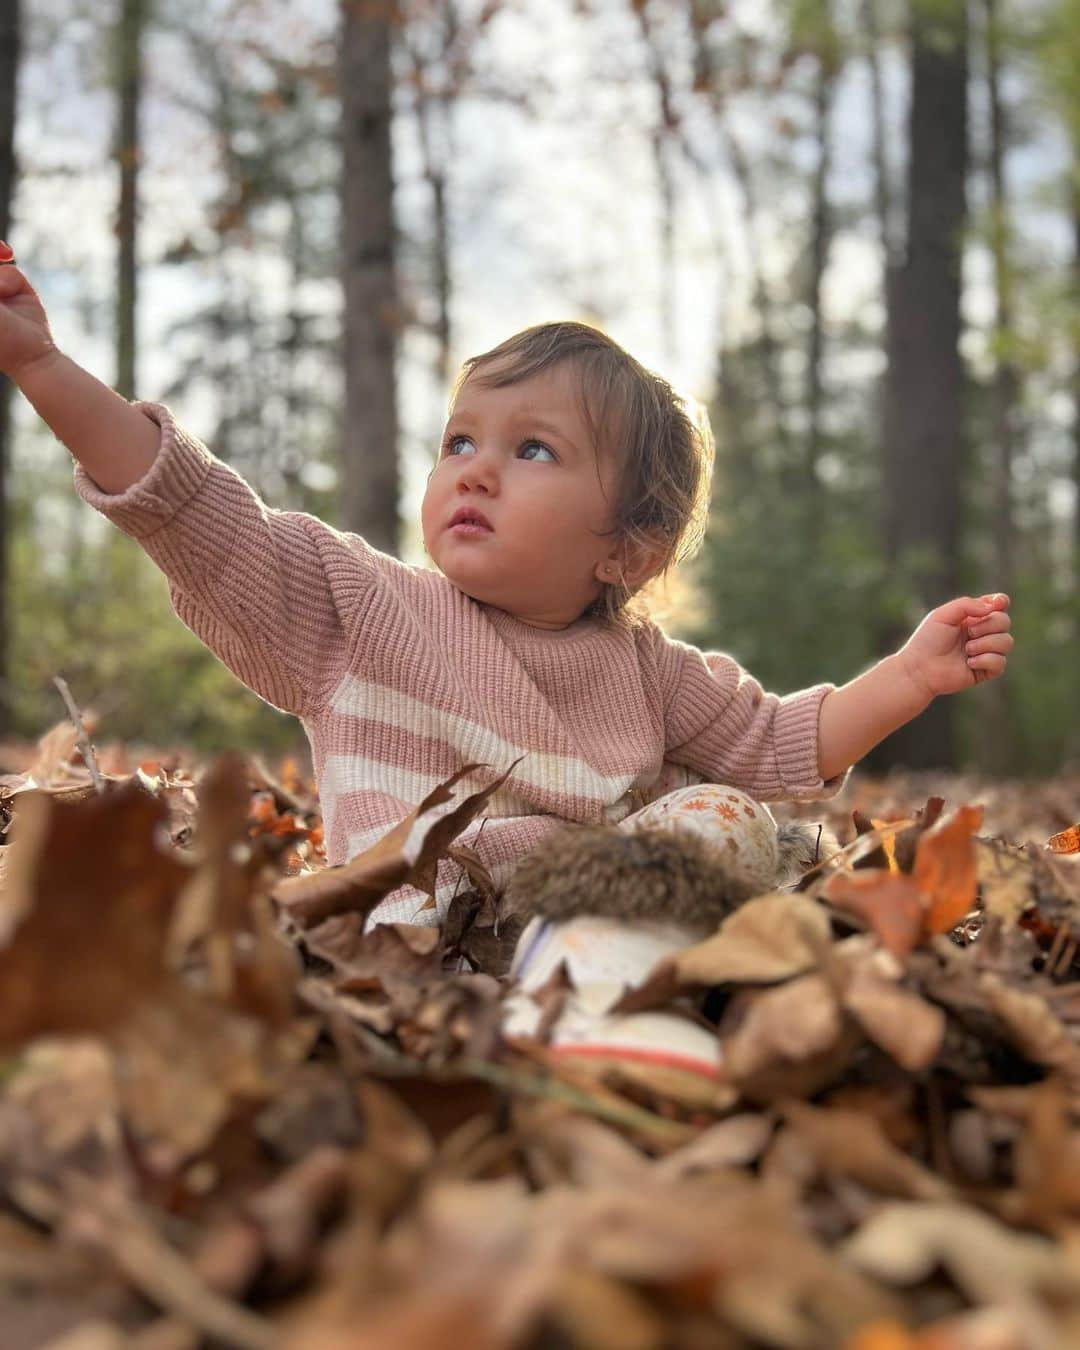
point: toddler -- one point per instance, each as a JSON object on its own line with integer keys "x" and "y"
{"x": 568, "y": 477}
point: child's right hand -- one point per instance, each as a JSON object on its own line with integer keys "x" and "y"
{"x": 24, "y": 328}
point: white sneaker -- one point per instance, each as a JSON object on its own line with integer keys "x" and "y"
{"x": 691, "y": 858}
{"x": 603, "y": 958}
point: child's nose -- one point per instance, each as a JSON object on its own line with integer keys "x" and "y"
{"x": 479, "y": 471}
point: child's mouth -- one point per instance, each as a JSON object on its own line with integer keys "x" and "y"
{"x": 468, "y": 521}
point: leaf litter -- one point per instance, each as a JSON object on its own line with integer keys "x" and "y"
{"x": 232, "y": 1115}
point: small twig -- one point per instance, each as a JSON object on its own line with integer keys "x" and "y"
{"x": 854, "y": 852}
{"x": 81, "y": 738}
{"x": 533, "y": 1085}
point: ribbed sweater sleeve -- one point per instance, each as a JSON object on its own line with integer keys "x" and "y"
{"x": 721, "y": 723}
{"x": 274, "y": 594}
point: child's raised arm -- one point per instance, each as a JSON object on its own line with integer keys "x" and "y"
{"x": 957, "y": 645}
{"x": 276, "y": 595}
{"x": 113, "y": 441}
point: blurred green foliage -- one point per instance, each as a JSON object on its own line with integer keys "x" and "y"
{"x": 793, "y": 572}
{"x": 89, "y": 605}
{"x": 798, "y": 588}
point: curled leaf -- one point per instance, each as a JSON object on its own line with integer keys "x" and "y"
{"x": 945, "y": 868}
{"x": 1068, "y": 841}
{"x": 889, "y": 903}
{"x": 770, "y": 938}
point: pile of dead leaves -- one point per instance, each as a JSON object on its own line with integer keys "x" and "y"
{"x": 229, "y": 1116}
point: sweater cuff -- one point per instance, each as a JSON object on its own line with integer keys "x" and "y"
{"x": 178, "y": 471}
{"x": 796, "y": 739}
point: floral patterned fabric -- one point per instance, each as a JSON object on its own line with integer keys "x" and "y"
{"x": 740, "y": 830}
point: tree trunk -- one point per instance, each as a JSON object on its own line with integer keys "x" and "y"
{"x": 437, "y": 108}
{"x": 882, "y": 180}
{"x": 1076, "y": 376}
{"x": 1000, "y": 749}
{"x": 9, "y": 65}
{"x": 773, "y": 402}
{"x": 819, "y": 257}
{"x": 924, "y": 393}
{"x": 372, "y": 318}
{"x": 665, "y": 180}
{"x": 128, "y": 82}
{"x": 768, "y": 345}
{"x": 883, "y": 202}
{"x": 665, "y": 129}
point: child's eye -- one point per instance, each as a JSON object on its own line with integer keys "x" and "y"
{"x": 539, "y": 445}
{"x": 452, "y": 443}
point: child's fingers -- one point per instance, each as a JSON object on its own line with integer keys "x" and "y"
{"x": 988, "y": 665}
{"x": 996, "y": 642}
{"x": 11, "y": 279}
{"x": 996, "y": 600}
{"x": 998, "y": 622}
{"x": 974, "y": 613}
{"x": 12, "y": 282}
{"x": 963, "y": 607}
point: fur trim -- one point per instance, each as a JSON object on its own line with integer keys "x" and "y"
{"x": 651, "y": 873}
{"x": 803, "y": 844}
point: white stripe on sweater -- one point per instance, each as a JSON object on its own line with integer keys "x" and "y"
{"x": 343, "y": 774}
{"x": 476, "y": 743}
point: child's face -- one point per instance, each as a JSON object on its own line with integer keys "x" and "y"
{"x": 522, "y": 457}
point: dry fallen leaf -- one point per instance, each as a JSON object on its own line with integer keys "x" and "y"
{"x": 737, "y": 1141}
{"x": 409, "y": 852}
{"x": 852, "y": 1144}
{"x": 903, "y": 1243}
{"x": 1033, "y": 1027}
{"x": 787, "y": 1041}
{"x": 890, "y": 904}
{"x": 1005, "y": 880}
{"x": 770, "y": 938}
{"x": 906, "y": 1026}
{"x": 385, "y": 1170}
{"x": 90, "y": 896}
{"x": 1068, "y": 841}
{"x": 945, "y": 868}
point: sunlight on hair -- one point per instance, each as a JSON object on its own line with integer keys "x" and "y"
{"x": 674, "y": 600}
{"x": 698, "y": 413}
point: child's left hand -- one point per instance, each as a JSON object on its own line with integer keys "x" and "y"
{"x": 959, "y": 644}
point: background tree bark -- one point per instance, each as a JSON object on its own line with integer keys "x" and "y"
{"x": 1000, "y": 749}
{"x": 664, "y": 138}
{"x": 925, "y": 383}
{"x": 1075, "y": 196}
{"x": 370, "y": 487}
{"x": 433, "y": 95}
{"x": 128, "y": 56}
{"x": 820, "y": 239}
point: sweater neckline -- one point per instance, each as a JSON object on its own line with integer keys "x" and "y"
{"x": 507, "y": 626}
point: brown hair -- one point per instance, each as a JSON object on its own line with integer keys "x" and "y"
{"x": 664, "y": 452}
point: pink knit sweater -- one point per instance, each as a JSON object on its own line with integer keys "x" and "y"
{"x": 399, "y": 678}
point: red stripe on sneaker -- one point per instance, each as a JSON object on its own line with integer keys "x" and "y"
{"x": 661, "y": 1058}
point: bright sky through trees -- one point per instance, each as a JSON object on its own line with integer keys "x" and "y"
{"x": 553, "y": 212}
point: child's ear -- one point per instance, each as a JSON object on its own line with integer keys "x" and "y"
{"x": 634, "y": 561}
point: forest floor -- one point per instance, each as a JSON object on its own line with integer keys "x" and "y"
{"x": 230, "y": 1117}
